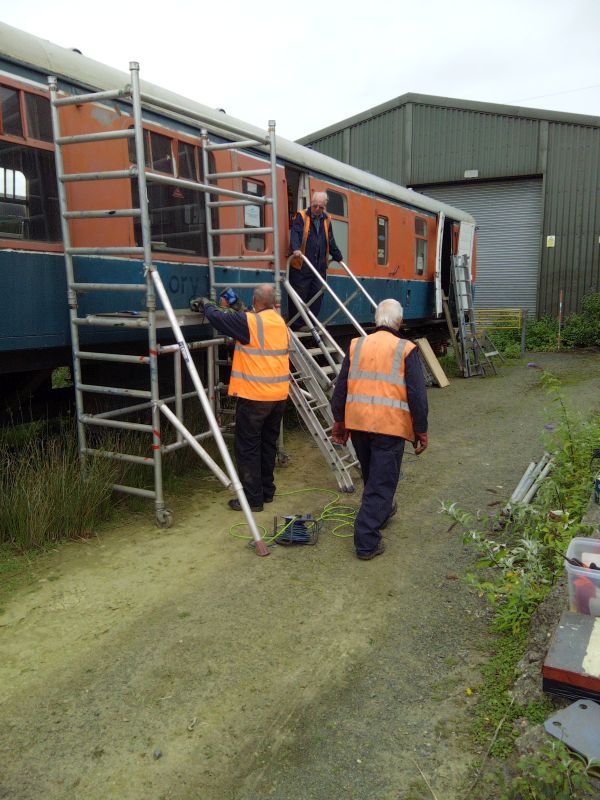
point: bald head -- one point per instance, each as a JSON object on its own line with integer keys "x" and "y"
{"x": 264, "y": 296}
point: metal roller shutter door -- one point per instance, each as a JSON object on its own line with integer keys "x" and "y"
{"x": 508, "y": 215}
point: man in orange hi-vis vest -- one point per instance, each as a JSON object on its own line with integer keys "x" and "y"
{"x": 311, "y": 235}
{"x": 380, "y": 400}
{"x": 260, "y": 376}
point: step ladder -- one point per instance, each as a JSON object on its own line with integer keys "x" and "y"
{"x": 476, "y": 350}
{"x": 150, "y": 286}
{"x": 316, "y": 360}
{"x": 313, "y": 405}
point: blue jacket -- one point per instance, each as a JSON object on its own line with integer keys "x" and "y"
{"x": 316, "y": 246}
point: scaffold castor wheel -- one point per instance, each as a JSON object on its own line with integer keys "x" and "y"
{"x": 283, "y": 458}
{"x": 164, "y": 518}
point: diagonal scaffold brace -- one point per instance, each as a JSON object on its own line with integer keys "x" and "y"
{"x": 231, "y": 479}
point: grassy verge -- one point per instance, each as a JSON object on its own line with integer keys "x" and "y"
{"x": 520, "y": 557}
{"x": 48, "y": 496}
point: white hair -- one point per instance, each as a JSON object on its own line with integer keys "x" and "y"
{"x": 320, "y": 197}
{"x": 389, "y": 313}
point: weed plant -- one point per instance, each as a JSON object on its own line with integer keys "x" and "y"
{"x": 553, "y": 774}
{"x": 46, "y": 496}
{"x": 579, "y": 330}
{"x": 520, "y": 557}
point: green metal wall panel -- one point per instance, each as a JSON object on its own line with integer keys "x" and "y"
{"x": 377, "y": 144}
{"x": 331, "y": 146}
{"x": 417, "y": 143}
{"x": 572, "y": 215}
{"x": 448, "y": 141}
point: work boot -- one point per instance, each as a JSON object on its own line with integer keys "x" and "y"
{"x": 235, "y": 505}
{"x": 391, "y": 514}
{"x": 368, "y": 556}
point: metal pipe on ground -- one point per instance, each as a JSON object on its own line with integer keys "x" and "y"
{"x": 538, "y": 482}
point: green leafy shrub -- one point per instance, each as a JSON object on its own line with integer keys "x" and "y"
{"x": 542, "y": 335}
{"x": 552, "y": 774}
{"x": 583, "y": 330}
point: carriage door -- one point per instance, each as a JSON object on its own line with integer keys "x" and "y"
{"x": 465, "y": 243}
{"x": 298, "y": 192}
{"x": 438, "y": 264}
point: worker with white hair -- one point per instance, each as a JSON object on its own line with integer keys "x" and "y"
{"x": 311, "y": 235}
{"x": 380, "y": 400}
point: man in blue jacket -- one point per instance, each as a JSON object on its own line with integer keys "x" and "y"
{"x": 380, "y": 400}
{"x": 311, "y": 235}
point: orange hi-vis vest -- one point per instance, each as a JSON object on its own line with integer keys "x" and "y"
{"x": 377, "y": 400}
{"x": 261, "y": 369}
{"x": 298, "y": 262}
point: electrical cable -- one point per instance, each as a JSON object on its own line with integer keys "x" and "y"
{"x": 343, "y": 515}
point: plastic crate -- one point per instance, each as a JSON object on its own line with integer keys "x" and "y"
{"x": 584, "y": 583}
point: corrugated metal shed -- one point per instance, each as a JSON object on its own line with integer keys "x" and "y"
{"x": 419, "y": 140}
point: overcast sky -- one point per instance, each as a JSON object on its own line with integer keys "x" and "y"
{"x": 310, "y": 65}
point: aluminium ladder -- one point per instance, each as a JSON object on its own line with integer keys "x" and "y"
{"x": 310, "y": 380}
{"x": 150, "y": 287}
{"x": 476, "y": 350}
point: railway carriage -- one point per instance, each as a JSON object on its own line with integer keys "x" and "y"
{"x": 397, "y": 242}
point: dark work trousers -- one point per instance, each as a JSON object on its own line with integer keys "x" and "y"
{"x": 305, "y": 282}
{"x": 256, "y": 431}
{"x": 380, "y": 458}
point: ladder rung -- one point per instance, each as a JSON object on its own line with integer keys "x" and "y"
{"x": 112, "y": 321}
{"x": 240, "y": 173}
{"x": 119, "y": 456}
{"x": 116, "y": 357}
{"x": 247, "y": 231}
{"x": 96, "y": 251}
{"x": 101, "y": 213}
{"x": 316, "y": 351}
{"x": 81, "y": 99}
{"x": 80, "y": 138}
{"x": 116, "y": 390}
{"x": 169, "y": 180}
{"x": 118, "y": 487}
{"x": 231, "y": 145}
{"x": 108, "y": 287}
{"x": 109, "y": 175}
{"x": 90, "y": 419}
{"x": 230, "y": 203}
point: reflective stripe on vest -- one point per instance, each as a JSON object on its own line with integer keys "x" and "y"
{"x": 260, "y": 369}
{"x": 377, "y": 399}
{"x": 305, "y": 214}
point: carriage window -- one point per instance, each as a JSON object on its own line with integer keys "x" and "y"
{"x": 177, "y": 214}
{"x": 254, "y": 216}
{"x": 420, "y": 245}
{"x": 162, "y": 157}
{"x": 10, "y": 112}
{"x": 337, "y": 204}
{"x": 39, "y": 122}
{"x": 186, "y": 162}
{"x": 382, "y": 240}
{"x": 28, "y": 194}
